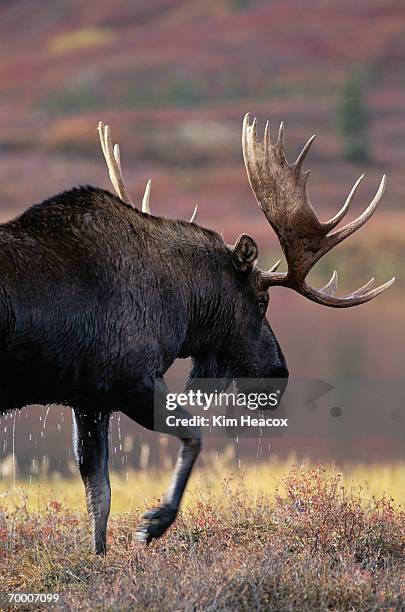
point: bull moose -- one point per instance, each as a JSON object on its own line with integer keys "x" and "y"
{"x": 98, "y": 298}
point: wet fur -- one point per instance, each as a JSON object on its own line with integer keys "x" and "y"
{"x": 96, "y": 302}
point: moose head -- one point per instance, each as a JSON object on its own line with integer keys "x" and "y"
{"x": 248, "y": 346}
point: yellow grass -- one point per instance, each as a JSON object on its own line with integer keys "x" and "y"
{"x": 133, "y": 491}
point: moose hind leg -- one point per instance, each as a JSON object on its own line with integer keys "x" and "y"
{"x": 90, "y": 445}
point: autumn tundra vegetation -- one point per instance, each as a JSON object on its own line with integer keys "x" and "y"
{"x": 266, "y": 536}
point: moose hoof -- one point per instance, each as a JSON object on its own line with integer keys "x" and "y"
{"x": 155, "y": 522}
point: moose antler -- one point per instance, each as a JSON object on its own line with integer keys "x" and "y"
{"x": 113, "y": 160}
{"x": 280, "y": 190}
{"x": 112, "y": 157}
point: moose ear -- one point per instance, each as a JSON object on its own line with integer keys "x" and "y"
{"x": 244, "y": 253}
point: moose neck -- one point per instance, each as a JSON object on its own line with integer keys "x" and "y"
{"x": 209, "y": 317}
{"x": 187, "y": 270}
{"x": 207, "y": 295}
{"x": 201, "y": 274}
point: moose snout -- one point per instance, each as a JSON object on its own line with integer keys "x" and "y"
{"x": 272, "y": 386}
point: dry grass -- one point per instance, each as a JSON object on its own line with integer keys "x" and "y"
{"x": 319, "y": 542}
{"x": 134, "y": 490}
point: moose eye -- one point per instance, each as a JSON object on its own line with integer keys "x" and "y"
{"x": 262, "y": 307}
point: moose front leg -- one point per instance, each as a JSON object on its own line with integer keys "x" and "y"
{"x": 156, "y": 521}
{"x": 90, "y": 445}
{"x": 151, "y": 412}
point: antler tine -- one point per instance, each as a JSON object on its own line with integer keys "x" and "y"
{"x": 114, "y": 166}
{"x": 301, "y": 157}
{"x": 353, "y": 299}
{"x": 111, "y": 161}
{"x": 146, "y": 197}
{"x": 340, "y": 234}
{"x": 330, "y": 288}
{"x": 279, "y": 146}
{"x": 280, "y": 191}
{"x": 331, "y": 285}
{"x": 266, "y": 137}
{"x": 194, "y": 215}
{"x": 274, "y": 267}
{"x": 102, "y": 135}
{"x": 332, "y": 223}
{"x": 117, "y": 156}
{"x": 272, "y": 277}
{"x": 254, "y": 129}
{"x": 112, "y": 158}
{"x": 364, "y": 288}
{"x": 100, "y": 130}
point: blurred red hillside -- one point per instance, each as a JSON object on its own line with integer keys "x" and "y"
{"x": 174, "y": 79}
